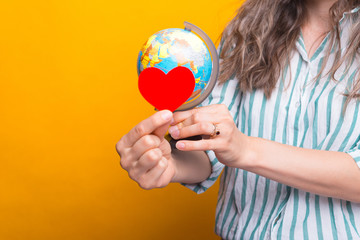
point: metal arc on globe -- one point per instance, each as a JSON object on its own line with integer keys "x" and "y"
{"x": 191, "y": 48}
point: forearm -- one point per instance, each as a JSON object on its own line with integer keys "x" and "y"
{"x": 327, "y": 173}
{"x": 191, "y": 167}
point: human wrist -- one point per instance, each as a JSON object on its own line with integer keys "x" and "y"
{"x": 248, "y": 154}
{"x": 175, "y": 178}
{"x": 190, "y": 167}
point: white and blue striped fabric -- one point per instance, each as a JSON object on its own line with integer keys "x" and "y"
{"x": 304, "y": 112}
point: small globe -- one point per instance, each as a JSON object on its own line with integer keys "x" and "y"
{"x": 175, "y": 47}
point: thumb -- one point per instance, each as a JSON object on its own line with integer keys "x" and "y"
{"x": 161, "y": 131}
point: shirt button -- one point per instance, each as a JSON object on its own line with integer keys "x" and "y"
{"x": 297, "y": 104}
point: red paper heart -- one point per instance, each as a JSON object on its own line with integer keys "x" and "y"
{"x": 166, "y": 91}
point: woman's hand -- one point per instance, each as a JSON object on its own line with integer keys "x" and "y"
{"x": 229, "y": 146}
{"x": 145, "y": 154}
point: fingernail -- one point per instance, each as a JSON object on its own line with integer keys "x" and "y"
{"x": 180, "y": 145}
{"x": 166, "y": 115}
{"x": 162, "y": 163}
{"x": 175, "y": 133}
{"x": 173, "y": 129}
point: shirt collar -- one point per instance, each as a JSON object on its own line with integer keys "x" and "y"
{"x": 354, "y": 10}
{"x": 300, "y": 42}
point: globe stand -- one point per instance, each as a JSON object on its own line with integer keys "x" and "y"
{"x": 215, "y": 67}
{"x": 213, "y": 78}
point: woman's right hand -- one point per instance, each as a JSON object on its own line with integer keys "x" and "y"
{"x": 145, "y": 154}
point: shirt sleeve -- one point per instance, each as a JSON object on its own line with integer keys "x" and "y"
{"x": 229, "y": 94}
{"x": 355, "y": 153}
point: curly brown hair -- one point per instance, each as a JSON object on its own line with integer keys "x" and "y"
{"x": 258, "y": 41}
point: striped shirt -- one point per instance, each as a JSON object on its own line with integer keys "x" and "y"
{"x": 303, "y": 111}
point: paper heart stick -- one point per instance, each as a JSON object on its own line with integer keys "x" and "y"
{"x": 166, "y": 91}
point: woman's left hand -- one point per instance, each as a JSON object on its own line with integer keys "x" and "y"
{"x": 230, "y": 145}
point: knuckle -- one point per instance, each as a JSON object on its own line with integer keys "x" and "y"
{"x": 132, "y": 174}
{"x": 124, "y": 164}
{"x": 140, "y": 130}
{"x": 160, "y": 184}
{"x": 203, "y": 126}
{"x": 149, "y": 141}
{"x": 119, "y": 147}
{"x": 154, "y": 155}
{"x": 150, "y": 160}
{"x": 145, "y": 185}
{"x": 162, "y": 164}
{"x": 221, "y": 107}
{"x": 196, "y": 117}
{"x": 194, "y": 111}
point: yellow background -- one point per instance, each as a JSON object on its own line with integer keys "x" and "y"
{"x": 68, "y": 92}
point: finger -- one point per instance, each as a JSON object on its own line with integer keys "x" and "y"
{"x": 194, "y": 116}
{"x": 152, "y": 176}
{"x": 182, "y": 115}
{"x": 161, "y": 131}
{"x": 145, "y": 143}
{"x": 201, "y": 128}
{"x": 201, "y": 145}
{"x": 147, "y": 126}
{"x": 147, "y": 161}
{"x": 197, "y": 117}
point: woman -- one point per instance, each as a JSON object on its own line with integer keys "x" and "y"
{"x": 284, "y": 126}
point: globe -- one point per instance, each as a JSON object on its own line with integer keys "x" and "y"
{"x": 175, "y": 47}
